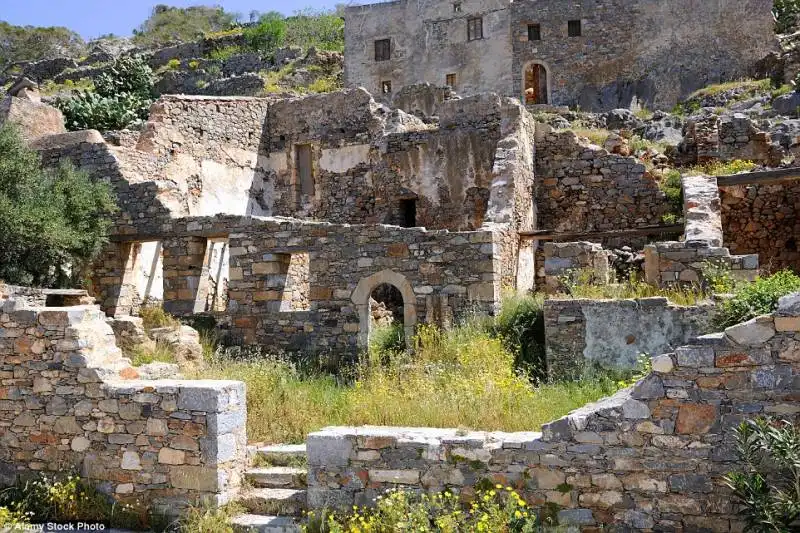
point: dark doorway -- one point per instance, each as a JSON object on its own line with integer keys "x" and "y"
{"x": 408, "y": 213}
{"x": 386, "y": 317}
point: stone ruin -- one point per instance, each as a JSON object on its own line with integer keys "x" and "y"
{"x": 287, "y": 219}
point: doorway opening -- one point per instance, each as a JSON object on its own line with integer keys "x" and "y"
{"x": 536, "y": 84}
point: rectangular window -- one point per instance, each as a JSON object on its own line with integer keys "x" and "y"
{"x": 386, "y": 87}
{"x": 534, "y": 32}
{"x": 574, "y": 28}
{"x": 408, "y": 213}
{"x": 457, "y": 7}
{"x": 383, "y": 50}
{"x": 474, "y": 29}
{"x": 450, "y": 80}
{"x": 305, "y": 169}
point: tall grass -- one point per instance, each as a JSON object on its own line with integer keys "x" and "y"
{"x": 464, "y": 378}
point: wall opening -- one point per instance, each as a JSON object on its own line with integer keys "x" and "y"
{"x": 383, "y": 50}
{"x": 305, "y": 170}
{"x": 534, "y": 32}
{"x": 574, "y": 28}
{"x": 218, "y": 265}
{"x": 475, "y": 29}
{"x": 363, "y": 295}
{"x": 386, "y": 311}
{"x": 536, "y": 84}
{"x": 408, "y": 212}
{"x": 147, "y": 269}
{"x": 386, "y": 87}
{"x": 284, "y": 283}
{"x": 450, "y": 81}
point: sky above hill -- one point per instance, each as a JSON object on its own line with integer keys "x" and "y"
{"x": 92, "y": 18}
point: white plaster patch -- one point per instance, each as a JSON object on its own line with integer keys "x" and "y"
{"x": 342, "y": 159}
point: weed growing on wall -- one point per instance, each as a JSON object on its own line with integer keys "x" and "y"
{"x": 753, "y": 299}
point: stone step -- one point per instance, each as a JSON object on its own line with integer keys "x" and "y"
{"x": 279, "y": 455}
{"x": 277, "y": 477}
{"x": 281, "y": 502}
{"x": 256, "y": 523}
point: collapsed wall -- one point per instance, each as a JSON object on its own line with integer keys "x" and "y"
{"x": 70, "y": 403}
{"x": 650, "y": 457}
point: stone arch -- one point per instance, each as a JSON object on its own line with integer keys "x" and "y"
{"x": 360, "y": 298}
{"x": 541, "y": 72}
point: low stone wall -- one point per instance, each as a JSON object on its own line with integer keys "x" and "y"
{"x": 651, "y": 457}
{"x": 684, "y": 262}
{"x": 569, "y": 258}
{"x": 611, "y": 334}
{"x": 763, "y": 220}
{"x": 69, "y": 402}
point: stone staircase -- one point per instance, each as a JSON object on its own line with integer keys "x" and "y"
{"x": 275, "y": 495}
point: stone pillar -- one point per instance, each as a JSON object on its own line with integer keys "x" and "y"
{"x": 185, "y": 275}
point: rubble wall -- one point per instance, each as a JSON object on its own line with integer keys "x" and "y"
{"x": 582, "y": 187}
{"x": 763, "y": 220}
{"x": 72, "y": 404}
{"x": 649, "y": 457}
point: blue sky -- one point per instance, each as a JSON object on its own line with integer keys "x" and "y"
{"x": 91, "y": 18}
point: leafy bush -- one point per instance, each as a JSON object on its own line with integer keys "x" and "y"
{"x": 32, "y": 43}
{"x": 725, "y": 168}
{"x": 673, "y": 189}
{"x": 323, "y": 30}
{"x": 121, "y": 97}
{"x": 87, "y": 110}
{"x": 268, "y": 34}
{"x": 13, "y": 520}
{"x": 224, "y": 53}
{"x": 325, "y": 84}
{"x": 387, "y": 339}
{"x": 173, "y": 64}
{"x": 767, "y": 487}
{"x": 154, "y": 316}
{"x": 53, "y": 222}
{"x": 498, "y": 510}
{"x": 520, "y": 324}
{"x": 754, "y": 299}
{"x": 786, "y": 13}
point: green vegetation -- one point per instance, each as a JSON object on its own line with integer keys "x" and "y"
{"x": 496, "y": 510}
{"x": 121, "y": 97}
{"x": 209, "y": 519}
{"x": 225, "y": 53}
{"x": 324, "y": 30}
{"x": 596, "y": 136}
{"x": 67, "y": 499}
{"x": 724, "y": 168}
{"x": 169, "y": 24}
{"x": 786, "y": 13}
{"x": 581, "y": 284}
{"x": 159, "y": 353}
{"x": 50, "y": 87}
{"x": 154, "y": 316}
{"x": 464, "y": 377}
{"x": 520, "y": 325}
{"x": 670, "y": 183}
{"x": 30, "y": 43}
{"x": 749, "y": 88}
{"x": 52, "y": 222}
{"x": 767, "y": 487}
{"x": 268, "y": 34}
{"x": 753, "y": 299}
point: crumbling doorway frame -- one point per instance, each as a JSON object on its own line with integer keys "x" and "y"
{"x": 536, "y": 83}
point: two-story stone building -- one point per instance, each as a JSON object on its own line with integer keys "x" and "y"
{"x": 596, "y": 54}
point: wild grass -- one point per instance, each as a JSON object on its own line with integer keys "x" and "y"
{"x": 596, "y": 136}
{"x": 749, "y": 86}
{"x": 464, "y": 377}
{"x": 723, "y": 168}
{"x": 579, "y": 284}
{"x": 159, "y": 353}
{"x": 154, "y": 316}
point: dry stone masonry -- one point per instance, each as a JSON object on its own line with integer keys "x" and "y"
{"x": 651, "y": 457}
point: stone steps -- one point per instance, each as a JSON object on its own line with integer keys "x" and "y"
{"x": 277, "y": 477}
{"x": 256, "y": 523}
{"x": 271, "y": 501}
{"x": 277, "y": 497}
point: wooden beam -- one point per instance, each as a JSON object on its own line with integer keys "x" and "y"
{"x": 546, "y": 235}
{"x": 762, "y": 177}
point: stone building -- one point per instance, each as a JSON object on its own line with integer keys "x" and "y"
{"x": 597, "y": 54}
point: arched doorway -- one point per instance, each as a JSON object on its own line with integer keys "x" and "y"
{"x": 397, "y": 296}
{"x": 537, "y": 88}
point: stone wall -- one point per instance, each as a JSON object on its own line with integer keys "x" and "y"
{"x": 684, "y": 262}
{"x": 582, "y": 187}
{"x": 72, "y": 403}
{"x": 300, "y": 285}
{"x": 629, "y": 51}
{"x": 651, "y": 457}
{"x": 428, "y": 42}
{"x": 585, "y": 334}
{"x": 762, "y": 219}
{"x": 575, "y": 259}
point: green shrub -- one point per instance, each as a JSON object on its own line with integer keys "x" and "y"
{"x": 754, "y": 299}
{"x": 387, "y": 339}
{"x": 208, "y": 519}
{"x": 169, "y": 24}
{"x": 325, "y": 84}
{"x": 498, "y": 510}
{"x": 53, "y": 222}
{"x": 786, "y": 13}
{"x": 11, "y": 520}
{"x": 194, "y": 64}
{"x": 267, "y": 35}
{"x": 673, "y": 189}
{"x": 160, "y": 353}
{"x": 724, "y": 168}
{"x": 223, "y": 54}
{"x": 173, "y": 64}
{"x": 323, "y": 30}
{"x": 520, "y": 324}
{"x": 767, "y": 487}
{"x": 121, "y": 97}
{"x": 154, "y": 316}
